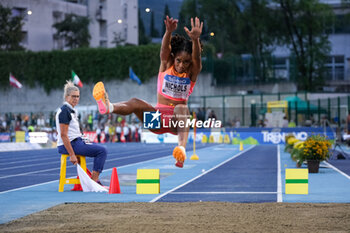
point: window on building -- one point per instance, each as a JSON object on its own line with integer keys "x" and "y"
{"x": 103, "y": 28}
{"x": 103, "y": 43}
{"x": 82, "y": 2}
{"x": 125, "y": 32}
{"x": 103, "y": 3}
{"x": 19, "y": 12}
{"x": 125, "y": 11}
{"x": 280, "y": 68}
{"x": 57, "y": 16}
{"x": 335, "y": 68}
{"x": 342, "y": 24}
{"x": 339, "y": 59}
{"x": 24, "y": 41}
{"x": 339, "y": 72}
{"x": 58, "y": 43}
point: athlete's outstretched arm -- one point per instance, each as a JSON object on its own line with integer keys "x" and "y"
{"x": 194, "y": 34}
{"x": 170, "y": 26}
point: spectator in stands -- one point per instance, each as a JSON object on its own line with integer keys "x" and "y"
{"x": 348, "y": 123}
{"x": 238, "y": 123}
{"x": 133, "y": 132}
{"x": 324, "y": 121}
{"x": 126, "y": 131}
{"x": 201, "y": 114}
{"x": 90, "y": 121}
{"x": 292, "y": 124}
{"x": 98, "y": 133}
{"x": 106, "y": 131}
{"x": 69, "y": 135}
{"x": 111, "y": 132}
{"x": 118, "y": 131}
{"x": 212, "y": 115}
{"x": 285, "y": 122}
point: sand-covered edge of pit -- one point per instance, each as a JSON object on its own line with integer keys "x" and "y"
{"x": 186, "y": 217}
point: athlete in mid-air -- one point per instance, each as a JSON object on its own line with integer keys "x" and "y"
{"x": 180, "y": 64}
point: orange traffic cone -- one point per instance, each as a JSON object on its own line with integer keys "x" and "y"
{"x": 122, "y": 137}
{"x": 77, "y": 187}
{"x": 114, "y": 185}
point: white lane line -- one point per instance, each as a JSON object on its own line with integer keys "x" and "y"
{"x": 205, "y": 193}
{"x": 53, "y": 156}
{"x": 58, "y": 161}
{"x": 69, "y": 166}
{"x": 225, "y": 149}
{"x": 336, "y": 169}
{"x": 30, "y": 165}
{"x": 30, "y": 186}
{"x": 202, "y": 174}
{"x": 29, "y": 160}
{"x": 279, "y": 179}
{"x": 110, "y": 169}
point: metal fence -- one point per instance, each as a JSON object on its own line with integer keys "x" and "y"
{"x": 249, "y": 110}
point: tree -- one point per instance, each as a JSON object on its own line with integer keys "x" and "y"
{"x": 153, "y": 30}
{"x": 74, "y": 29}
{"x": 220, "y": 17}
{"x": 188, "y": 10}
{"x": 143, "y": 38}
{"x": 10, "y": 30}
{"x": 256, "y": 27}
{"x": 166, "y": 13}
{"x": 306, "y": 23}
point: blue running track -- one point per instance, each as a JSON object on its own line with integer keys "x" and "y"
{"x": 29, "y": 179}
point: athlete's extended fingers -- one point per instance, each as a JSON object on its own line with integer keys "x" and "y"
{"x": 187, "y": 31}
{"x": 201, "y": 26}
{"x": 192, "y": 25}
{"x": 196, "y": 22}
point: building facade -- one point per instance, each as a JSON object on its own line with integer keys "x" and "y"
{"x": 112, "y": 22}
{"x": 338, "y": 62}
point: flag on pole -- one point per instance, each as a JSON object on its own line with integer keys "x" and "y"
{"x": 133, "y": 76}
{"x": 76, "y": 79}
{"x": 14, "y": 82}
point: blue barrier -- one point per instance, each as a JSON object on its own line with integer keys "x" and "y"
{"x": 264, "y": 135}
{"x": 5, "y": 137}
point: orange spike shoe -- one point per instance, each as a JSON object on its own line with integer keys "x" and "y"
{"x": 101, "y": 97}
{"x": 179, "y": 154}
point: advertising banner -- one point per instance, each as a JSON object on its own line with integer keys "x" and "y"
{"x": 260, "y": 135}
{"x": 5, "y": 137}
{"x": 252, "y": 136}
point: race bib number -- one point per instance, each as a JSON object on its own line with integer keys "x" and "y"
{"x": 176, "y": 87}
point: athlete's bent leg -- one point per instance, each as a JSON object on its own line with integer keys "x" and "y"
{"x": 181, "y": 114}
{"x": 134, "y": 105}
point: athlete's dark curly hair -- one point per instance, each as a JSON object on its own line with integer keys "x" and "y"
{"x": 180, "y": 43}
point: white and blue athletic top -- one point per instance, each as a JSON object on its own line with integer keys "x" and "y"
{"x": 67, "y": 115}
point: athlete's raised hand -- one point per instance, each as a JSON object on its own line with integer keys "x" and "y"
{"x": 170, "y": 24}
{"x": 196, "y": 30}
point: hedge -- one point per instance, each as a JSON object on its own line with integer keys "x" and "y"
{"x": 51, "y": 69}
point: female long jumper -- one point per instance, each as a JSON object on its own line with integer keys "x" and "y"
{"x": 180, "y": 64}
